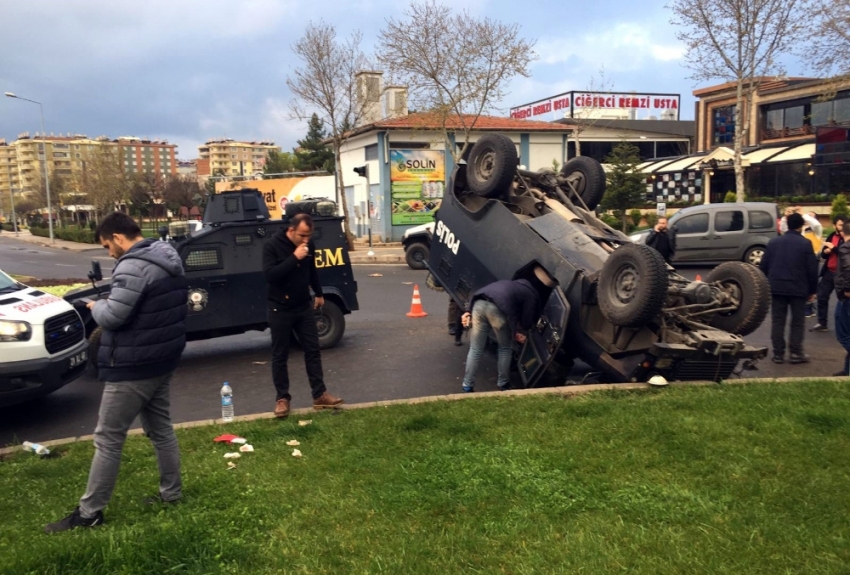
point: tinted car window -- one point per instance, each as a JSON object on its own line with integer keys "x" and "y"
{"x": 761, "y": 221}
{"x": 729, "y": 221}
{"x": 695, "y": 224}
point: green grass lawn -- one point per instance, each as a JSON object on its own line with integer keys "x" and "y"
{"x": 721, "y": 479}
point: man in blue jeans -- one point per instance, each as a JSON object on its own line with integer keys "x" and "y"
{"x": 142, "y": 339}
{"x": 842, "y": 292}
{"x": 505, "y": 306}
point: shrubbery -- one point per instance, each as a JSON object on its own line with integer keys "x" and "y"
{"x": 71, "y": 234}
{"x": 839, "y": 207}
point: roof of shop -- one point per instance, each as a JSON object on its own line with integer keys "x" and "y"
{"x": 684, "y": 128}
{"x": 432, "y": 121}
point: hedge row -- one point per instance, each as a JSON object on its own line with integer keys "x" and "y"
{"x": 71, "y": 234}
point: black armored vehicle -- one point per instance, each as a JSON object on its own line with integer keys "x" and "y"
{"x": 223, "y": 263}
{"x": 618, "y": 306}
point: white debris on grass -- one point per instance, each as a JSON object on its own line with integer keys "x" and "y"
{"x": 293, "y": 443}
{"x": 232, "y": 455}
{"x": 296, "y": 453}
{"x": 246, "y": 448}
{"x": 304, "y": 422}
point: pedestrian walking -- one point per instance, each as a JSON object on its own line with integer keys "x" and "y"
{"x": 289, "y": 264}
{"x": 663, "y": 240}
{"x": 508, "y": 308}
{"x": 842, "y": 292}
{"x": 791, "y": 268}
{"x": 826, "y": 284}
{"x": 143, "y": 336}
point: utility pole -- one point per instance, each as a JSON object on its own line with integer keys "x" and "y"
{"x": 363, "y": 172}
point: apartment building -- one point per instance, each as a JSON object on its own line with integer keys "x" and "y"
{"x": 233, "y": 158}
{"x": 21, "y": 162}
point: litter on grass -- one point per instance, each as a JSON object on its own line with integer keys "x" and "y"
{"x": 246, "y": 448}
{"x": 226, "y": 438}
{"x": 296, "y": 453}
{"x": 304, "y": 422}
{"x": 293, "y": 443}
{"x": 232, "y": 455}
{"x": 238, "y": 440}
{"x": 231, "y": 465}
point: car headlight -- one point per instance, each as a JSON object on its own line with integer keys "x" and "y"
{"x": 15, "y": 330}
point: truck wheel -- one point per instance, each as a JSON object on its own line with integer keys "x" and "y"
{"x": 331, "y": 325}
{"x": 588, "y": 177}
{"x": 94, "y": 348}
{"x": 754, "y": 255}
{"x": 416, "y": 255}
{"x": 492, "y": 165}
{"x": 632, "y": 287}
{"x": 748, "y": 285}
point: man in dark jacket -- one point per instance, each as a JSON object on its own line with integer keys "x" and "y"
{"x": 289, "y": 264}
{"x": 143, "y": 336}
{"x": 826, "y": 285}
{"x": 503, "y": 306}
{"x": 792, "y": 269}
{"x": 842, "y": 292}
{"x": 662, "y": 239}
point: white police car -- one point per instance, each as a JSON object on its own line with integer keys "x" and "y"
{"x": 42, "y": 342}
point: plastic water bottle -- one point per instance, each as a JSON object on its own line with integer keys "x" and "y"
{"x": 226, "y": 403}
{"x": 36, "y": 448}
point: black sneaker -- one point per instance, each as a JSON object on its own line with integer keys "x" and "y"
{"x": 778, "y": 359}
{"x": 798, "y": 358}
{"x": 819, "y": 327}
{"x": 157, "y": 500}
{"x": 73, "y": 521}
{"x": 452, "y": 330}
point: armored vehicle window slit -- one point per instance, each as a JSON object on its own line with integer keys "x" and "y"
{"x": 231, "y": 205}
{"x": 243, "y": 239}
{"x": 203, "y": 259}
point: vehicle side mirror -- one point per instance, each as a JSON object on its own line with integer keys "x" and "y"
{"x": 95, "y": 275}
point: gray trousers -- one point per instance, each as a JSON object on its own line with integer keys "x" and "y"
{"x": 119, "y": 406}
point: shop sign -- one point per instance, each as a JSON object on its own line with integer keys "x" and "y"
{"x": 563, "y": 104}
{"x": 417, "y": 180}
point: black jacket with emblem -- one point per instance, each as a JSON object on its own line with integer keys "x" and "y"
{"x": 143, "y": 319}
{"x": 289, "y": 279}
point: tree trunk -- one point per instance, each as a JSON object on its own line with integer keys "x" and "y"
{"x": 578, "y": 143}
{"x": 740, "y": 131}
{"x": 349, "y": 237}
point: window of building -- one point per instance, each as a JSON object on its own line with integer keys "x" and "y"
{"x": 732, "y": 221}
{"x": 842, "y": 110}
{"x": 794, "y": 117}
{"x": 695, "y": 224}
{"x": 371, "y": 152}
{"x": 723, "y": 125}
{"x": 774, "y": 119}
{"x": 821, "y": 113}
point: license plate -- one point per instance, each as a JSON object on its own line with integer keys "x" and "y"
{"x": 79, "y": 358}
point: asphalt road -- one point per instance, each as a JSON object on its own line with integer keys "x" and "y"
{"x": 383, "y": 355}
{"x": 26, "y": 259}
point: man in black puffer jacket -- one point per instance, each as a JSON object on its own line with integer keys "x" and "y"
{"x": 791, "y": 267}
{"x": 142, "y": 339}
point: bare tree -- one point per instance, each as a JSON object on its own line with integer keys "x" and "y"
{"x": 829, "y": 51}
{"x": 456, "y": 66}
{"x": 180, "y": 192}
{"x": 590, "y": 115}
{"x": 102, "y": 179}
{"x": 325, "y": 84}
{"x": 739, "y": 41}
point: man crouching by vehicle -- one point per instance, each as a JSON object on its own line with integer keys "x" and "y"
{"x": 503, "y": 306}
{"x": 143, "y": 337}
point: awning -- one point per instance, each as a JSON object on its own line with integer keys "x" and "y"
{"x": 760, "y": 155}
{"x": 795, "y": 154}
{"x": 680, "y": 165}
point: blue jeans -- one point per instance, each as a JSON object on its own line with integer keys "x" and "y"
{"x": 842, "y": 329}
{"x": 486, "y": 316}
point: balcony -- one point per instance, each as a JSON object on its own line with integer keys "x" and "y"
{"x": 771, "y": 134}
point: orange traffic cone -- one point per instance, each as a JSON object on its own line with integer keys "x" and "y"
{"x": 416, "y": 305}
{"x": 699, "y": 278}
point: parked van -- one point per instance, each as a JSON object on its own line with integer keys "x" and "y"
{"x": 722, "y": 232}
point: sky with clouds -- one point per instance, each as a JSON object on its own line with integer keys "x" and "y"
{"x": 191, "y": 70}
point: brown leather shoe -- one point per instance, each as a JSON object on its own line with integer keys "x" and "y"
{"x": 281, "y": 408}
{"x": 327, "y": 401}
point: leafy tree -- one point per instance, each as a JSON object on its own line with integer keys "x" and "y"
{"x": 730, "y": 197}
{"x": 457, "y": 66}
{"x": 180, "y": 192}
{"x": 312, "y": 154}
{"x": 839, "y": 207}
{"x": 626, "y": 185}
{"x": 740, "y": 41}
{"x": 636, "y": 216}
{"x": 279, "y": 162}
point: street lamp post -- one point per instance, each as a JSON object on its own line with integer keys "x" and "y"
{"x": 44, "y": 151}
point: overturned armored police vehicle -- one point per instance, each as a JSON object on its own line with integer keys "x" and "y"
{"x": 618, "y": 306}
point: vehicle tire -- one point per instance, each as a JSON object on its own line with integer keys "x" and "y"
{"x": 331, "y": 325}
{"x": 754, "y": 255}
{"x": 492, "y": 165}
{"x": 416, "y": 255}
{"x": 749, "y": 286}
{"x": 94, "y": 348}
{"x": 590, "y": 180}
{"x": 632, "y": 287}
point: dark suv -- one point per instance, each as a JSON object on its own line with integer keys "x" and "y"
{"x": 619, "y": 307}
{"x": 223, "y": 263}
